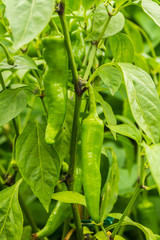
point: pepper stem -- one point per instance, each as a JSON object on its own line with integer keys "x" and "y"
{"x": 10, "y": 60}
{"x": 92, "y": 108}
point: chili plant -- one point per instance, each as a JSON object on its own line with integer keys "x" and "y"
{"x": 79, "y": 119}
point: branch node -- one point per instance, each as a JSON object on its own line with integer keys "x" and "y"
{"x": 60, "y": 9}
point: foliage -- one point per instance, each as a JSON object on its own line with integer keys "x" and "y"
{"x": 76, "y": 68}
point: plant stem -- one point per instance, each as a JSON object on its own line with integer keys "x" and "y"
{"x": 104, "y": 28}
{"x": 129, "y": 206}
{"x": 44, "y": 105}
{"x": 103, "y": 229}
{"x": 15, "y": 127}
{"x": 27, "y": 214}
{"x": 75, "y": 125}
{"x": 54, "y": 27}
{"x": 74, "y": 140}
{"x": 68, "y": 236}
{"x": 94, "y": 48}
{"x": 2, "y": 81}
{"x": 90, "y": 64}
{"x": 63, "y": 20}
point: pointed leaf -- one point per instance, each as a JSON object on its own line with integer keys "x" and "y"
{"x": 127, "y": 130}
{"x": 111, "y": 76}
{"x": 127, "y": 221}
{"x": 110, "y": 190}
{"x": 87, "y": 4}
{"x": 38, "y": 162}
{"x": 152, "y": 9}
{"x": 152, "y": 154}
{"x": 27, "y": 232}
{"x": 116, "y": 23}
{"x": 21, "y": 62}
{"x": 12, "y": 102}
{"x": 70, "y": 197}
{"x": 11, "y": 218}
{"x": 108, "y": 112}
{"x": 73, "y": 5}
{"x": 28, "y": 18}
{"x": 143, "y": 99}
{"x": 122, "y": 48}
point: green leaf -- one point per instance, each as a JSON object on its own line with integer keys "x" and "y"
{"x": 117, "y": 237}
{"x": 127, "y": 130}
{"x": 141, "y": 62}
{"x": 143, "y": 99}
{"x": 74, "y": 5}
{"x": 37, "y": 162}
{"x": 152, "y": 9}
{"x": 116, "y": 23}
{"x": 11, "y": 218}
{"x": 12, "y": 102}
{"x": 28, "y": 18}
{"x": 27, "y": 232}
{"x": 108, "y": 112}
{"x": 127, "y": 181}
{"x": 152, "y": 154}
{"x": 86, "y": 230}
{"x": 21, "y": 62}
{"x": 110, "y": 190}
{"x": 100, "y": 235}
{"x": 119, "y": 3}
{"x": 111, "y": 77}
{"x": 122, "y": 48}
{"x": 127, "y": 221}
{"x": 87, "y": 4}
{"x": 70, "y": 197}
{"x": 129, "y": 151}
{"x": 131, "y": 29}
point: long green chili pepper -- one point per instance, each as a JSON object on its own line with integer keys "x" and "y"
{"x": 92, "y": 140}
{"x": 60, "y": 212}
{"x": 55, "y": 84}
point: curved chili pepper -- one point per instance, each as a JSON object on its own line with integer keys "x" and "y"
{"x": 55, "y": 84}
{"x": 60, "y": 212}
{"x": 92, "y": 140}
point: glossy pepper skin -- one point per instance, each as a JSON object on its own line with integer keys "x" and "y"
{"x": 60, "y": 212}
{"x": 55, "y": 84}
{"x": 92, "y": 140}
{"x": 78, "y": 46}
{"x": 147, "y": 215}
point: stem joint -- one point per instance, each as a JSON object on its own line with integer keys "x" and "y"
{"x": 60, "y": 9}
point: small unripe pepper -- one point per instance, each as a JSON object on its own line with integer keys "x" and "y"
{"x": 92, "y": 140}
{"x": 55, "y": 84}
{"x": 60, "y": 212}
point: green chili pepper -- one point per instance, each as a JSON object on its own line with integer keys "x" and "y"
{"x": 92, "y": 140}
{"x": 55, "y": 84}
{"x": 60, "y": 212}
{"x": 147, "y": 215}
{"x": 78, "y": 46}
